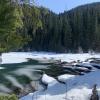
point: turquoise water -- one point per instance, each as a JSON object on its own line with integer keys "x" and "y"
{"x": 21, "y": 74}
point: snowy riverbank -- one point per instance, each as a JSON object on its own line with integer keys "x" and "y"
{"x": 18, "y": 57}
{"x": 75, "y": 88}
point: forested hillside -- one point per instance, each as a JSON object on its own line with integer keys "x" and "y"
{"x": 72, "y": 31}
{"x": 39, "y": 29}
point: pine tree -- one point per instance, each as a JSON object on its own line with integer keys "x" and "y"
{"x": 10, "y": 21}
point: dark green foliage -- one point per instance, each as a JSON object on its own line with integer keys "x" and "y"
{"x": 17, "y": 21}
{"x": 10, "y": 21}
{"x": 9, "y": 97}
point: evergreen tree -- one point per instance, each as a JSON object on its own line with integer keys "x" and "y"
{"x": 10, "y": 21}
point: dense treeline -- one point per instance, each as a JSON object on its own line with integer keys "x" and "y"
{"x": 53, "y": 35}
{"x": 39, "y": 29}
{"x": 72, "y": 31}
{"x": 85, "y": 27}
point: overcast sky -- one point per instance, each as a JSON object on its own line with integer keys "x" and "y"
{"x": 61, "y": 5}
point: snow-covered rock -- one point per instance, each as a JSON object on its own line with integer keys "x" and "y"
{"x": 48, "y": 80}
{"x": 65, "y": 77}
